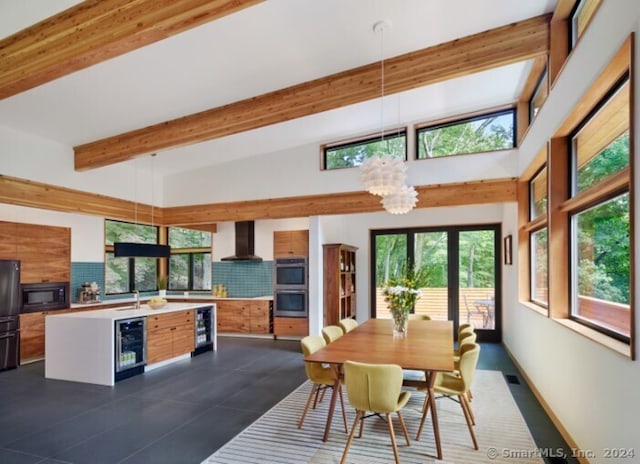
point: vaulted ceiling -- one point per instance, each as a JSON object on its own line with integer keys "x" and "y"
{"x": 202, "y": 82}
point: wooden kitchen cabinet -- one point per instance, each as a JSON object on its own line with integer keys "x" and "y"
{"x": 339, "y": 276}
{"x": 170, "y": 335}
{"x": 8, "y": 240}
{"x": 244, "y": 316}
{"x": 44, "y": 251}
{"x": 32, "y": 327}
{"x": 290, "y": 243}
{"x": 291, "y": 326}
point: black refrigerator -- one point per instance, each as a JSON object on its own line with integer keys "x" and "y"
{"x": 9, "y": 314}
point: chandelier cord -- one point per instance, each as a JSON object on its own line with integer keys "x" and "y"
{"x": 382, "y": 83}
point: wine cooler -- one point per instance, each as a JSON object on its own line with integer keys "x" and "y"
{"x": 204, "y": 340}
{"x": 130, "y": 347}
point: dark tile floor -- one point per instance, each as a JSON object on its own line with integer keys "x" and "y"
{"x": 177, "y": 414}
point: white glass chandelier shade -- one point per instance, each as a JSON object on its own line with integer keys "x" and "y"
{"x": 401, "y": 201}
{"x": 383, "y": 174}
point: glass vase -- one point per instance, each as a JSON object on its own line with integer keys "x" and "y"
{"x": 400, "y": 323}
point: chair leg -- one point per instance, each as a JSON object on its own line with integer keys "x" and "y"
{"x": 306, "y": 407}
{"x": 359, "y": 415}
{"x": 344, "y": 414}
{"x": 393, "y": 438}
{"x": 404, "y": 428}
{"x": 469, "y": 410}
{"x": 468, "y": 419}
{"x": 318, "y": 398}
{"x": 425, "y": 410}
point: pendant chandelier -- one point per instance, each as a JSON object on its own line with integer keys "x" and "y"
{"x": 384, "y": 174}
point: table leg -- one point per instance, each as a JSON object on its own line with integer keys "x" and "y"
{"x": 332, "y": 404}
{"x": 431, "y": 378}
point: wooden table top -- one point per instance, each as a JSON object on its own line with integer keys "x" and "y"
{"x": 428, "y": 346}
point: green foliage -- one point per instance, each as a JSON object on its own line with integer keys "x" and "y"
{"x": 604, "y": 251}
{"x": 355, "y": 154}
{"x": 188, "y": 238}
{"x": 494, "y": 132}
{"x": 612, "y": 159}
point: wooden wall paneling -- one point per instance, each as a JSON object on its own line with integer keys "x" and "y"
{"x": 97, "y": 30}
{"x": 559, "y": 47}
{"x": 497, "y": 47}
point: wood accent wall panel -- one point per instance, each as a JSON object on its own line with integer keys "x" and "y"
{"x": 496, "y": 47}
{"x": 95, "y": 31}
{"x": 8, "y": 240}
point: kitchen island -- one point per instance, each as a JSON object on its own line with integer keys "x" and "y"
{"x": 85, "y": 346}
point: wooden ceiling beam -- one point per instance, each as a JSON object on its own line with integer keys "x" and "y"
{"x": 97, "y": 30}
{"x": 454, "y": 194}
{"x": 497, "y": 47}
{"x": 21, "y": 192}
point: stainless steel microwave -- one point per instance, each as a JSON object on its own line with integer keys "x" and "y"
{"x": 45, "y": 296}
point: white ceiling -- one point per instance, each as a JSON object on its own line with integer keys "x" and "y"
{"x": 276, "y": 44}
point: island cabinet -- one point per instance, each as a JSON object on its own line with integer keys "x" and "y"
{"x": 170, "y": 335}
{"x": 290, "y": 243}
{"x": 339, "y": 272}
{"x": 244, "y": 316}
{"x": 32, "y": 328}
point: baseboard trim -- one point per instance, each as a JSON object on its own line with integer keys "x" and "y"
{"x": 552, "y": 415}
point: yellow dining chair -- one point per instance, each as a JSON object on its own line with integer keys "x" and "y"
{"x": 452, "y": 384}
{"x": 331, "y": 333}
{"x": 321, "y": 377}
{"x": 419, "y": 317}
{"x": 348, "y": 324}
{"x": 376, "y": 388}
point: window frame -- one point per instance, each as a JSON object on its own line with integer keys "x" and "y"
{"x": 543, "y": 83}
{"x": 400, "y": 132}
{"x": 190, "y": 252}
{"x": 131, "y": 265}
{"x": 463, "y": 119}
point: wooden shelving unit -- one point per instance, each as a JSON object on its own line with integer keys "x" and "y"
{"x": 339, "y": 270}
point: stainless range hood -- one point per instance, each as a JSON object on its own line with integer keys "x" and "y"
{"x": 245, "y": 243}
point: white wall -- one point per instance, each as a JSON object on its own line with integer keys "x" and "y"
{"x": 591, "y": 389}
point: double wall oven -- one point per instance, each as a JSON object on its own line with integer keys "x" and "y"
{"x": 290, "y": 287}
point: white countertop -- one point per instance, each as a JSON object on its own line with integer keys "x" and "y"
{"x": 127, "y": 311}
{"x": 191, "y": 296}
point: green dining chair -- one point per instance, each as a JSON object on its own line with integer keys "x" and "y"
{"x": 331, "y": 333}
{"x": 457, "y": 384}
{"x": 322, "y": 377}
{"x": 376, "y": 388}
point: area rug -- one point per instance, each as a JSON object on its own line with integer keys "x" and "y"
{"x": 500, "y": 429}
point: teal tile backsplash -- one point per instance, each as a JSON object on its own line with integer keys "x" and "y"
{"x": 86, "y": 272}
{"x": 244, "y": 279}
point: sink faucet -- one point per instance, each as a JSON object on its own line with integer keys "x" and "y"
{"x": 137, "y": 298}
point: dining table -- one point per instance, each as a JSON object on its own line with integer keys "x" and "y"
{"x": 427, "y": 347}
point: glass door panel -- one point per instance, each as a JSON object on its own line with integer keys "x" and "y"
{"x": 430, "y": 258}
{"x": 391, "y": 256}
{"x": 476, "y": 278}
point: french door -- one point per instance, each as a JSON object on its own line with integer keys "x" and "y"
{"x": 460, "y": 269}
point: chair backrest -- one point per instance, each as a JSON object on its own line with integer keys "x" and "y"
{"x": 468, "y": 362}
{"x": 331, "y": 333}
{"x": 420, "y": 317}
{"x": 373, "y": 387}
{"x": 310, "y": 344}
{"x": 467, "y": 335}
{"x": 348, "y": 324}
{"x": 466, "y": 327}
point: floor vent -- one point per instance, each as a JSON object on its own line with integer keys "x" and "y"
{"x": 512, "y": 379}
